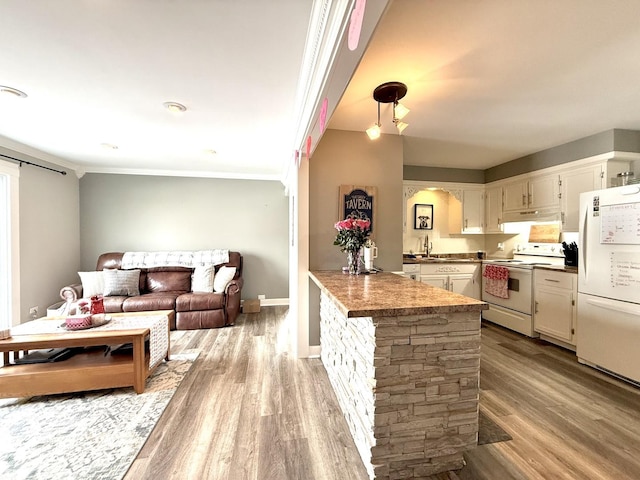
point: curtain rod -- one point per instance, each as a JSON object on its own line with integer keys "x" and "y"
{"x": 61, "y": 172}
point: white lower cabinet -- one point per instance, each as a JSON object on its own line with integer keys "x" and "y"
{"x": 555, "y": 312}
{"x": 462, "y": 278}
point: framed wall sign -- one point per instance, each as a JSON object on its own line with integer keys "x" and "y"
{"x": 357, "y": 201}
{"x": 423, "y": 217}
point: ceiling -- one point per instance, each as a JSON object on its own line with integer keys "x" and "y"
{"x": 98, "y": 72}
{"x": 493, "y": 80}
{"x": 488, "y": 80}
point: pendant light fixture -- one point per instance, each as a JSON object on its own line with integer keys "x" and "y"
{"x": 390, "y": 92}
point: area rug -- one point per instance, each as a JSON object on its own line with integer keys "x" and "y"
{"x": 89, "y": 435}
{"x": 489, "y": 431}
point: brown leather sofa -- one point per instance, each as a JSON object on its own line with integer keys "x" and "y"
{"x": 169, "y": 288}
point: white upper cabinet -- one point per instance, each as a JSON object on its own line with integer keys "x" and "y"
{"x": 493, "y": 210}
{"x": 516, "y": 196}
{"x": 572, "y": 184}
{"x": 536, "y": 192}
{"x": 544, "y": 192}
{"x": 473, "y": 211}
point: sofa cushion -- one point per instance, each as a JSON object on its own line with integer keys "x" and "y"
{"x": 223, "y": 276}
{"x": 92, "y": 283}
{"x": 168, "y": 281}
{"x": 202, "y": 278}
{"x": 121, "y": 282}
{"x": 199, "y": 301}
{"x": 113, "y": 304}
{"x": 151, "y": 301}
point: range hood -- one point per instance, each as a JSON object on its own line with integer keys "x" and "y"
{"x": 540, "y": 215}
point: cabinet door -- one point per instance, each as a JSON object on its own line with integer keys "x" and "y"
{"x": 572, "y": 184}
{"x": 515, "y": 196}
{"x": 472, "y": 211}
{"x": 464, "y": 284}
{"x": 544, "y": 192}
{"x": 440, "y": 281}
{"x": 493, "y": 210}
{"x": 553, "y": 312}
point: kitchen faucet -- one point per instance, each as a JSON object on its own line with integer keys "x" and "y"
{"x": 427, "y": 246}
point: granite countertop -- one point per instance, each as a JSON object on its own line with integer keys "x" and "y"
{"x": 387, "y": 294}
{"x": 441, "y": 258}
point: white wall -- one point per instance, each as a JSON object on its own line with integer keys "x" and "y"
{"x": 137, "y": 212}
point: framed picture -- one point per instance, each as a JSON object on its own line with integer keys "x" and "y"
{"x": 423, "y": 217}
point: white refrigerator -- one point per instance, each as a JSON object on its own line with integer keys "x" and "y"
{"x": 608, "y": 334}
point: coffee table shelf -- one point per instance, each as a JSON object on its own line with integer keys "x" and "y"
{"x": 87, "y": 370}
{"x": 83, "y": 371}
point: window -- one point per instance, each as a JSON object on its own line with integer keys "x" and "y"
{"x": 9, "y": 253}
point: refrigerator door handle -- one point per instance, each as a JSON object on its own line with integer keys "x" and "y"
{"x": 613, "y": 306}
{"x": 583, "y": 243}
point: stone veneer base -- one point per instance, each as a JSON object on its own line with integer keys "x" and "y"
{"x": 407, "y": 385}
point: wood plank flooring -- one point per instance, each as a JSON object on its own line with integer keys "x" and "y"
{"x": 248, "y": 410}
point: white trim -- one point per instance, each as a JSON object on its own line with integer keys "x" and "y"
{"x": 272, "y": 302}
{"x": 13, "y": 257}
{"x": 315, "y": 351}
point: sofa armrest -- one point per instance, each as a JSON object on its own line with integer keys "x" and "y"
{"x": 233, "y": 293}
{"x": 71, "y": 293}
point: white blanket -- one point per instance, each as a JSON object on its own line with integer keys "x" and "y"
{"x": 174, "y": 259}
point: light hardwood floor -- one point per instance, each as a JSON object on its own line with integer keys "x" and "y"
{"x": 248, "y": 410}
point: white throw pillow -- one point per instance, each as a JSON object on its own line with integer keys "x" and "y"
{"x": 121, "y": 282}
{"x": 92, "y": 283}
{"x": 223, "y": 277}
{"x": 202, "y": 278}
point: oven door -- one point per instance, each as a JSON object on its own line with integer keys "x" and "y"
{"x": 519, "y": 291}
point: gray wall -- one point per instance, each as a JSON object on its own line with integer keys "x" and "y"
{"x": 604, "y": 142}
{"x": 49, "y": 234}
{"x": 438, "y": 174}
{"x": 136, "y": 212}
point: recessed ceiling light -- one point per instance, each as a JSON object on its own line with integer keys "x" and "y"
{"x": 12, "y": 91}
{"x": 175, "y": 107}
{"x": 109, "y": 146}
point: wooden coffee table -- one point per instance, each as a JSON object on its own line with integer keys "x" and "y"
{"x": 88, "y": 370}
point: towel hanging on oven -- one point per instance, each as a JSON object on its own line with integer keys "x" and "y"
{"x": 497, "y": 280}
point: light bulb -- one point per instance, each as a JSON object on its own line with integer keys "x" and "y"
{"x": 401, "y": 111}
{"x": 174, "y": 107}
{"x": 401, "y": 126}
{"x": 374, "y": 132}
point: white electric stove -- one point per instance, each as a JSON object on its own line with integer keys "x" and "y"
{"x": 515, "y": 312}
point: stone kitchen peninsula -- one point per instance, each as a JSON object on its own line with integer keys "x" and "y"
{"x": 404, "y": 360}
